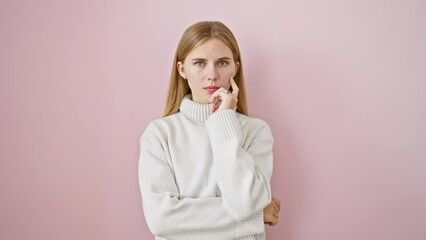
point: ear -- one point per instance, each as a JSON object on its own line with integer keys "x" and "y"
{"x": 180, "y": 69}
{"x": 237, "y": 66}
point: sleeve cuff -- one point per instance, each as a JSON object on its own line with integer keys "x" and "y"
{"x": 223, "y": 125}
{"x": 252, "y": 226}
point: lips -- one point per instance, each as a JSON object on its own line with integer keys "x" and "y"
{"x": 211, "y": 89}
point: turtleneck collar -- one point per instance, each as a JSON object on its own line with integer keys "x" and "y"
{"x": 198, "y": 112}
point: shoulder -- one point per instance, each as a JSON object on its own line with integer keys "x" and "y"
{"x": 160, "y": 128}
{"x": 255, "y": 127}
{"x": 251, "y": 122}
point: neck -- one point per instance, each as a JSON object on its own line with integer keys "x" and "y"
{"x": 198, "y": 112}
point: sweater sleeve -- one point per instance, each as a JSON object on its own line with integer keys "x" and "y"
{"x": 242, "y": 165}
{"x": 174, "y": 218}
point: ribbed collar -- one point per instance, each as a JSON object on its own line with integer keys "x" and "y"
{"x": 198, "y": 112}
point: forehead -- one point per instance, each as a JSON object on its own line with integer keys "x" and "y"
{"x": 212, "y": 48}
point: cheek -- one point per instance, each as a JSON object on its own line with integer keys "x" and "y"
{"x": 195, "y": 72}
{"x": 226, "y": 74}
{"x": 192, "y": 83}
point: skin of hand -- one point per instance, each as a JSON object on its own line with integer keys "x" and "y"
{"x": 221, "y": 99}
{"x": 270, "y": 212}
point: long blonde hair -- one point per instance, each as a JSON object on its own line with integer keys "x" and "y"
{"x": 193, "y": 37}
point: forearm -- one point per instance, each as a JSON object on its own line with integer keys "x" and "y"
{"x": 243, "y": 173}
{"x": 245, "y": 187}
{"x": 172, "y": 217}
{"x": 196, "y": 218}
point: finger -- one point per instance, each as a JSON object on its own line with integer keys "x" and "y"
{"x": 216, "y": 100}
{"x": 212, "y": 100}
{"x": 213, "y": 97}
{"x": 235, "y": 89}
{"x": 277, "y": 201}
{"x": 214, "y": 108}
{"x": 222, "y": 89}
{"x": 217, "y": 94}
{"x": 276, "y": 208}
{"x": 275, "y": 222}
{"x": 219, "y": 97}
{"x": 275, "y": 215}
{"x": 274, "y": 204}
{"x": 216, "y": 103}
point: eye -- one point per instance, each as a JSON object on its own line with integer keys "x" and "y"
{"x": 199, "y": 64}
{"x": 222, "y": 63}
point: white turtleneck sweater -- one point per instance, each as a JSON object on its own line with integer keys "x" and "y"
{"x": 205, "y": 176}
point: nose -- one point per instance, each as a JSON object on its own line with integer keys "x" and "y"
{"x": 211, "y": 72}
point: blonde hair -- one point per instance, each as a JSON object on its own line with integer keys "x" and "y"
{"x": 193, "y": 37}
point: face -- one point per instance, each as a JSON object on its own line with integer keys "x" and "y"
{"x": 208, "y": 68}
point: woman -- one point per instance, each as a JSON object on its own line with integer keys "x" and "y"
{"x": 205, "y": 167}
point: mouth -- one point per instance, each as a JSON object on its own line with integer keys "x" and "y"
{"x": 211, "y": 89}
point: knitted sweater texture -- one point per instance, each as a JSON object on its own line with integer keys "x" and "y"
{"x": 205, "y": 176}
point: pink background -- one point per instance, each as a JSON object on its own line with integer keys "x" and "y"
{"x": 342, "y": 84}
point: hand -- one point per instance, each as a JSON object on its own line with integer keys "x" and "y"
{"x": 270, "y": 212}
{"x": 221, "y": 99}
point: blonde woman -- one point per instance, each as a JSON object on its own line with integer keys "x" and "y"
{"x": 205, "y": 166}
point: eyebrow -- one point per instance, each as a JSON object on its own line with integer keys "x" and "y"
{"x": 202, "y": 59}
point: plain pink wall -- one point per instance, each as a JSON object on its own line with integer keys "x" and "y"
{"x": 342, "y": 84}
